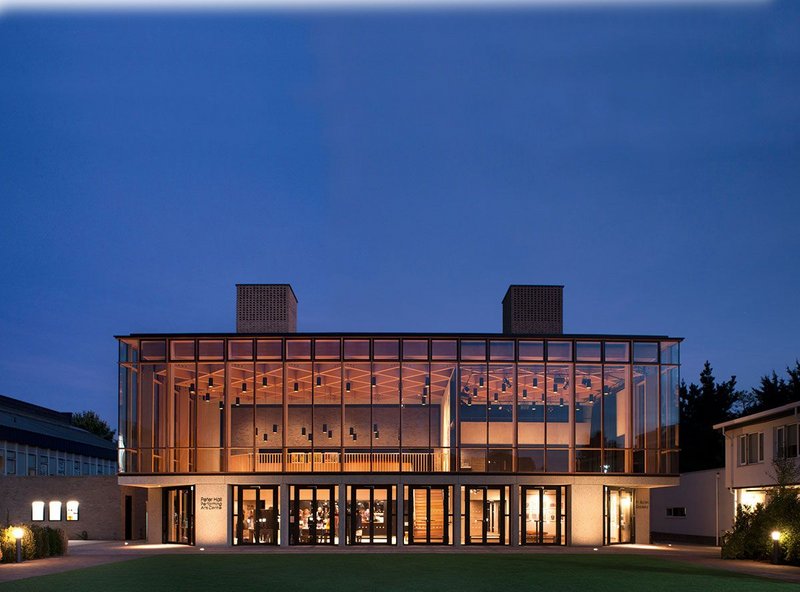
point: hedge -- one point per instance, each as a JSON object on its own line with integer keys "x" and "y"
{"x": 37, "y": 542}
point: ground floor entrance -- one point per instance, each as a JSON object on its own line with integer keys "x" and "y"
{"x": 255, "y": 515}
{"x": 485, "y": 511}
{"x": 178, "y": 515}
{"x": 544, "y": 516}
{"x": 314, "y": 516}
{"x": 306, "y": 510}
{"x": 428, "y": 514}
{"x": 618, "y": 504}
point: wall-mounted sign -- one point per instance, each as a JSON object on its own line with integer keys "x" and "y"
{"x": 642, "y": 504}
{"x": 211, "y": 503}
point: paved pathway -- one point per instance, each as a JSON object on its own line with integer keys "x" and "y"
{"x": 89, "y": 553}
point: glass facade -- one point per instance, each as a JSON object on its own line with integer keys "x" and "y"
{"x": 446, "y": 404}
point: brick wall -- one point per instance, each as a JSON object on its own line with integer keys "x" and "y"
{"x": 101, "y": 511}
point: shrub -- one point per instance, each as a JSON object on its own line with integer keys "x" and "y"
{"x": 750, "y": 536}
{"x": 37, "y": 542}
{"x": 8, "y": 543}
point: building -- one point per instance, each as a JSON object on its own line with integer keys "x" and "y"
{"x": 399, "y": 439}
{"x": 698, "y": 511}
{"x": 752, "y": 442}
{"x": 62, "y": 476}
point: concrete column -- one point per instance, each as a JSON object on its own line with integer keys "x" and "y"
{"x": 154, "y": 516}
{"x": 342, "y": 496}
{"x": 586, "y": 512}
{"x": 642, "y": 516}
{"x": 211, "y": 514}
{"x": 457, "y": 515}
{"x": 513, "y": 515}
{"x": 285, "y": 509}
{"x": 400, "y": 509}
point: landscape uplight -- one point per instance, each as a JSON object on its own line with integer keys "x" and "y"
{"x": 18, "y": 533}
{"x": 776, "y": 548}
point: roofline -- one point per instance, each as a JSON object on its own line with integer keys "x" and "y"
{"x": 274, "y": 284}
{"x": 366, "y": 334}
{"x": 755, "y": 417}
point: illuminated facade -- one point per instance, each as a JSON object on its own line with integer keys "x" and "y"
{"x": 398, "y": 439}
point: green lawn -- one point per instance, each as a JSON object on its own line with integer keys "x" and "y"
{"x": 389, "y": 572}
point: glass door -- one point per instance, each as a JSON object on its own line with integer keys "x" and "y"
{"x": 544, "y": 515}
{"x": 255, "y": 515}
{"x": 485, "y": 515}
{"x": 178, "y": 515}
{"x": 619, "y": 516}
{"x": 428, "y": 515}
{"x": 371, "y": 515}
{"x": 314, "y": 515}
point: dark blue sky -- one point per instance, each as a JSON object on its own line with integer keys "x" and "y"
{"x": 400, "y": 170}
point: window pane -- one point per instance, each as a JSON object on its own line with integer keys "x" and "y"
{"x": 326, "y": 349}
{"x": 474, "y": 400}
{"x": 645, "y": 352}
{"x": 587, "y": 351}
{"x": 444, "y": 350}
{"x": 415, "y": 409}
{"x": 356, "y": 349}
{"x": 298, "y": 349}
{"x": 415, "y": 349}
{"x": 182, "y": 350}
{"x": 531, "y": 350}
{"x": 386, "y": 349}
{"x": 588, "y": 403}
{"x": 269, "y": 416}
{"x": 617, "y": 351}
{"x": 645, "y": 409}
{"x": 269, "y": 349}
{"x": 240, "y": 349}
{"x": 501, "y": 405}
{"x": 558, "y": 393}
{"x": 616, "y": 410}
{"x": 670, "y": 406}
{"x": 502, "y": 350}
{"x": 670, "y": 352}
{"x": 559, "y": 351}
{"x": 211, "y": 350}
{"x": 531, "y": 405}
{"x": 210, "y": 414}
{"x": 154, "y": 350}
{"x": 473, "y": 350}
{"x": 327, "y": 430}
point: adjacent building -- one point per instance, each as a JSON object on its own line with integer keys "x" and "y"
{"x": 272, "y": 437}
{"x": 56, "y": 474}
{"x": 752, "y": 443}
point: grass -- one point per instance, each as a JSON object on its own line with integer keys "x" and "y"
{"x": 390, "y": 572}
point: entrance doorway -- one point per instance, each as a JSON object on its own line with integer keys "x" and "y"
{"x": 371, "y": 515}
{"x": 428, "y": 515}
{"x": 618, "y": 521}
{"x": 314, "y": 517}
{"x": 255, "y": 515}
{"x": 543, "y": 519}
{"x": 485, "y": 515}
{"x": 178, "y": 515}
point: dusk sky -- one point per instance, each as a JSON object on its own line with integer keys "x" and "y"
{"x": 400, "y": 170}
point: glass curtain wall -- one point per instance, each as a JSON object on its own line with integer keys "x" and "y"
{"x": 384, "y": 406}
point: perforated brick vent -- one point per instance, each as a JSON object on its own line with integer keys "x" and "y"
{"x": 533, "y": 310}
{"x": 265, "y": 308}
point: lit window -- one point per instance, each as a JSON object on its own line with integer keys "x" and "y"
{"x": 55, "y": 511}
{"x": 72, "y": 511}
{"x": 37, "y": 511}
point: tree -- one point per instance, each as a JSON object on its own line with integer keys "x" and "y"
{"x": 775, "y": 391}
{"x": 91, "y": 422}
{"x": 702, "y": 406}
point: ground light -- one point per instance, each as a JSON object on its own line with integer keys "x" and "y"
{"x": 18, "y": 533}
{"x": 776, "y": 537}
